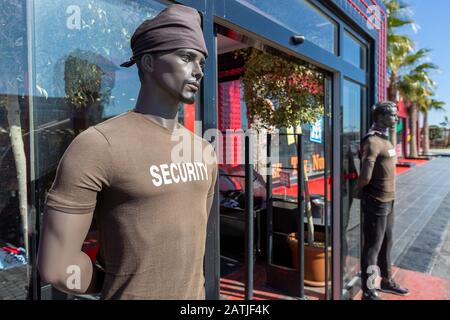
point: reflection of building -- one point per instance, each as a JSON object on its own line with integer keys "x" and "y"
{"x": 345, "y": 43}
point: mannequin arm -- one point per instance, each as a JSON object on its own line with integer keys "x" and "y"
{"x": 60, "y": 246}
{"x": 366, "y": 174}
{"x": 369, "y": 156}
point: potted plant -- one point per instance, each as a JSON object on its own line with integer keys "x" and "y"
{"x": 280, "y": 93}
{"x": 314, "y": 253}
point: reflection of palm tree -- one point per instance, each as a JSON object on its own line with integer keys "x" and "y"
{"x": 88, "y": 82}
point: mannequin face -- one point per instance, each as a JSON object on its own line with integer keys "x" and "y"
{"x": 388, "y": 119}
{"x": 178, "y": 72}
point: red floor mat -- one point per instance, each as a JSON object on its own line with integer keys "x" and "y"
{"x": 316, "y": 186}
{"x": 401, "y": 170}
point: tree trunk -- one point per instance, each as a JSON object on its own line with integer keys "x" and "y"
{"x": 392, "y": 90}
{"x": 413, "y": 141}
{"x": 15, "y": 134}
{"x": 392, "y": 96}
{"x": 426, "y": 134}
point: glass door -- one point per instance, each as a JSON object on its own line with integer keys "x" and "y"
{"x": 353, "y": 104}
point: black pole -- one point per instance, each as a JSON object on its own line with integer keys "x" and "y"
{"x": 301, "y": 217}
{"x": 325, "y": 206}
{"x": 327, "y": 148}
{"x": 34, "y": 283}
{"x": 269, "y": 205}
{"x": 249, "y": 220}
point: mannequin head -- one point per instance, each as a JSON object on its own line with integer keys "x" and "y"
{"x": 176, "y": 72}
{"x": 385, "y": 114}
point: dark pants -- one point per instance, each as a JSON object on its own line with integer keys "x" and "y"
{"x": 378, "y": 222}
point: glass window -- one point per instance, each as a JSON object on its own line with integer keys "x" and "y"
{"x": 78, "y": 49}
{"x": 234, "y": 115}
{"x": 302, "y": 17}
{"x": 79, "y": 82}
{"x": 353, "y": 103}
{"x": 354, "y": 51}
{"x": 14, "y": 150}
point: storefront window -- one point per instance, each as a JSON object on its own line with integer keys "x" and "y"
{"x": 14, "y": 150}
{"x": 353, "y": 103}
{"x": 300, "y": 16}
{"x": 78, "y": 49}
{"x": 354, "y": 51}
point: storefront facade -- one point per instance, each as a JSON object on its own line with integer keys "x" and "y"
{"x": 61, "y": 71}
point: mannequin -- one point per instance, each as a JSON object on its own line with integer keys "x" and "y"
{"x": 152, "y": 211}
{"x": 376, "y": 188}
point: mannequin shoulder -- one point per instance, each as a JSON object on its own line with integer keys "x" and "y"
{"x": 118, "y": 126}
{"x": 90, "y": 138}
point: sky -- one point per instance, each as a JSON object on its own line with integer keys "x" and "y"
{"x": 433, "y": 19}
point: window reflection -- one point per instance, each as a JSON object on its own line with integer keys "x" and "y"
{"x": 354, "y": 51}
{"x": 300, "y": 16}
{"x": 353, "y": 103}
{"x": 234, "y": 115}
{"x": 14, "y": 151}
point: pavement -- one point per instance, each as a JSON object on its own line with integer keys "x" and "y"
{"x": 13, "y": 284}
{"x": 422, "y": 210}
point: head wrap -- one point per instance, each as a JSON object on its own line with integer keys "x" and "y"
{"x": 175, "y": 27}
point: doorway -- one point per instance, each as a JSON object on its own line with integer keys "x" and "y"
{"x": 233, "y": 117}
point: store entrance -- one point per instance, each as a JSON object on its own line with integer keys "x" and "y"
{"x": 275, "y": 260}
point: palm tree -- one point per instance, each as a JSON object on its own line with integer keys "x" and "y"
{"x": 413, "y": 87}
{"x": 398, "y": 47}
{"x": 427, "y": 104}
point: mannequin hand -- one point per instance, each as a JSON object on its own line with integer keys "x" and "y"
{"x": 356, "y": 192}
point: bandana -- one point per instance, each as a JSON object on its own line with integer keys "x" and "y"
{"x": 176, "y": 27}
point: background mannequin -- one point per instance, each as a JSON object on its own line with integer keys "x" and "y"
{"x": 376, "y": 188}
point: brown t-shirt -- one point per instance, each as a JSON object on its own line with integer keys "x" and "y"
{"x": 382, "y": 183}
{"x": 151, "y": 211}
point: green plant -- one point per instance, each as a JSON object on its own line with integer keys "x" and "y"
{"x": 280, "y": 92}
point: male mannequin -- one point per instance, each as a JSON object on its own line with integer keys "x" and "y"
{"x": 151, "y": 211}
{"x": 376, "y": 185}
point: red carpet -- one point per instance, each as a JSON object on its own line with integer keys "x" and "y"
{"x": 418, "y": 162}
{"x": 401, "y": 170}
{"x": 316, "y": 186}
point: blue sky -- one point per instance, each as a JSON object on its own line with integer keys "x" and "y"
{"x": 433, "y": 18}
